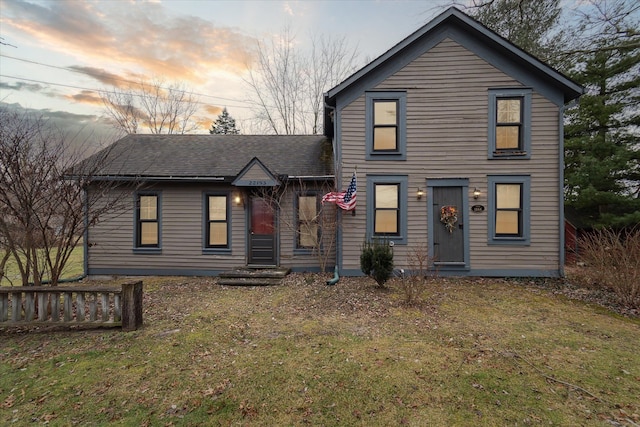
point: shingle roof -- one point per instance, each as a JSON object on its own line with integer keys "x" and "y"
{"x": 209, "y": 156}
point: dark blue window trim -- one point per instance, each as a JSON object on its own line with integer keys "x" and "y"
{"x": 297, "y": 249}
{"x": 525, "y": 95}
{"x": 525, "y": 238}
{"x": 206, "y": 249}
{"x": 137, "y": 248}
{"x": 402, "y": 181}
{"x": 401, "y": 152}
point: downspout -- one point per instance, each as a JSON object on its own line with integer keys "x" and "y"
{"x": 336, "y": 277}
{"x": 561, "y": 175}
{"x": 334, "y": 146}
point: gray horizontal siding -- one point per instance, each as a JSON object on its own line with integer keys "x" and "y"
{"x": 112, "y": 245}
{"x": 447, "y": 138}
{"x": 181, "y": 236}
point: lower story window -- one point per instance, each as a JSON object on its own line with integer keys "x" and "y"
{"x": 217, "y": 214}
{"x": 386, "y": 210}
{"x": 509, "y": 210}
{"x": 387, "y": 207}
{"x": 509, "y": 216}
{"x": 307, "y": 221}
{"x": 147, "y": 221}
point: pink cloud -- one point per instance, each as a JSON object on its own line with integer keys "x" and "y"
{"x": 136, "y": 36}
{"x": 213, "y": 110}
{"x": 106, "y": 77}
{"x": 86, "y": 97}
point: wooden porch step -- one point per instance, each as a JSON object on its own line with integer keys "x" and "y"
{"x": 245, "y": 276}
{"x": 244, "y": 281}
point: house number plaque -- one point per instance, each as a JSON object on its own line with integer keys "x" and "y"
{"x": 477, "y": 208}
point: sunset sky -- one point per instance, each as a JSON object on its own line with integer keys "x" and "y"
{"x": 57, "y": 55}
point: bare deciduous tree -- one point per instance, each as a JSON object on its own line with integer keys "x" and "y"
{"x": 44, "y": 208}
{"x": 331, "y": 61}
{"x": 121, "y": 108}
{"x": 316, "y": 228}
{"x": 152, "y": 106}
{"x": 287, "y": 85}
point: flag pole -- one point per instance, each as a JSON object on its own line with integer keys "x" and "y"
{"x": 353, "y": 211}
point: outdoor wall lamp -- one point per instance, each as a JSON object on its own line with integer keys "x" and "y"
{"x": 420, "y": 193}
{"x": 237, "y": 199}
{"x": 476, "y": 193}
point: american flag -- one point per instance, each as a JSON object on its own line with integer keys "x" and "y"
{"x": 344, "y": 199}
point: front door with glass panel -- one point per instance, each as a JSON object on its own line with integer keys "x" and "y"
{"x": 262, "y": 237}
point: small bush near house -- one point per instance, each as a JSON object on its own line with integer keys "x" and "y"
{"x": 414, "y": 282}
{"x": 612, "y": 261}
{"x": 376, "y": 260}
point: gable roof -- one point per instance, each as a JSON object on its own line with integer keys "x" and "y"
{"x": 253, "y": 173}
{"x": 487, "y": 44}
{"x": 212, "y": 157}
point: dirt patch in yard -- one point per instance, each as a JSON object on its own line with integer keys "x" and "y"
{"x": 602, "y": 297}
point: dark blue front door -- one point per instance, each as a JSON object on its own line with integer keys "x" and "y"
{"x": 448, "y": 218}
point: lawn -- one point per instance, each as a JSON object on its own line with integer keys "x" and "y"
{"x": 73, "y": 269}
{"x": 476, "y": 352}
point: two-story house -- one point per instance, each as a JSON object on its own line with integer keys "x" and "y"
{"x": 456, "y": 135}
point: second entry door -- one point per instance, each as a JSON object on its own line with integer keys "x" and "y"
{"x": 262, "y": 238}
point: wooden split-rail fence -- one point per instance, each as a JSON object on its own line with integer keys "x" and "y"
{"x": 73, "y": 305}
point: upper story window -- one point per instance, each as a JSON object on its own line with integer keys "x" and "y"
{"x": 147, "y": 233}
{"x": 509, "y": 209}
{"x": 386, "y": 125}
{"x": 217, "y": 221}
{"x": 509, "y": 123}
{"x": 307, "y": 217}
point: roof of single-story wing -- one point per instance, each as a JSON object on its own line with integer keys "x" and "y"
{"x": 212, "y": 156}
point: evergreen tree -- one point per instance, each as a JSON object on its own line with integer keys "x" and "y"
{"x": 602, "y": 143}
{"x": 532, "y": 25}
{"x": 224, "y": 125}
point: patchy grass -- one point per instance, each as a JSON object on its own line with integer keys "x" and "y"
{"x": 476, "y": 352}
{"x": 73, "y": 269}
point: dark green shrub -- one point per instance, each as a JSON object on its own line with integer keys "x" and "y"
{"x": 376, "y": 260}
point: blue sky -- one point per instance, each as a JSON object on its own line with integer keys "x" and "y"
{"x": 58, "y": 54}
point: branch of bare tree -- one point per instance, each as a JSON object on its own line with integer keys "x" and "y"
{"x": 45, "y": 207}
{"x": 151, "y": 106}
